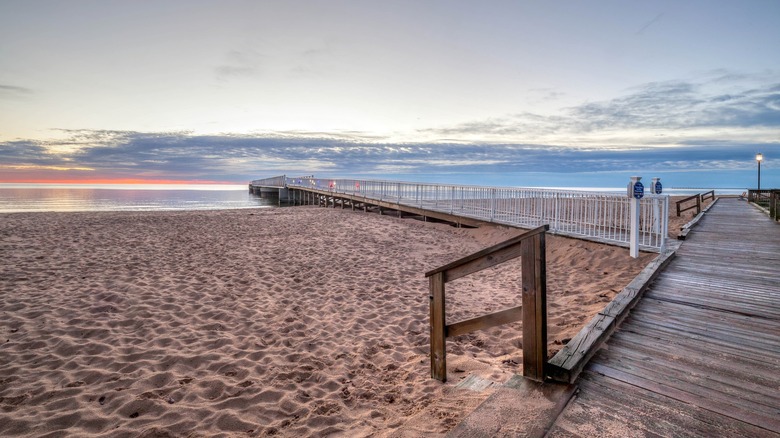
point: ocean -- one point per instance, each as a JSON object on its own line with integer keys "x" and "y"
{"x": 16, "y": 198}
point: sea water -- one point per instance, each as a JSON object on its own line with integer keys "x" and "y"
{"x": 150, "y": 197}
{"x": 126, "y": 197}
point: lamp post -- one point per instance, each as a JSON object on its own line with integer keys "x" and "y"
{"x": 759, "y": 158}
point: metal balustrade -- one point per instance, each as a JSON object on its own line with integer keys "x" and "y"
{"x": 600, "y": 216}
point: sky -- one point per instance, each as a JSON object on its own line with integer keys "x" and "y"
{"x": 533, "y": 93}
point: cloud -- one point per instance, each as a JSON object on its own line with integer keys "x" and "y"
{"x": 672, "y": 112}
{"x": 240, "y": 63}
{"x": 13, "y": 92}
{"x": 240, "y": 158}
{"x": 714, "y": 124}
{"x": 656, "y": 19}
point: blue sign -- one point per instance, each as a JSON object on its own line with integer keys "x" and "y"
{"x": 639, "y": 190}
{"x": 658, "y": 187}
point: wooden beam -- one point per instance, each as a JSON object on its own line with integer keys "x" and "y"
{"x": 484, "y": 262}
{"x": 534, "y": 307}
{"x": 438, "y": 327}
{"x": 567, "y": 364}
{"x": 485, "y": 321}
{"x": 495, "y": 252}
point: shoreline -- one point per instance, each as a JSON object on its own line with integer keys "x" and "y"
{"x": 269, "y": 321}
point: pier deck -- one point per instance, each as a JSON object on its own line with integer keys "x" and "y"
{"x": 700, "y": 354}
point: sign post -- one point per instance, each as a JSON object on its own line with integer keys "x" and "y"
{"x": 636, "y": 191}
{"x": 656, "y": 188}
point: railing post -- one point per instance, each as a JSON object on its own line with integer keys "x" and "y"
{"x": 633, "y": 239}
{"x": 452, "y": 199}
{"x": 438, "y": 337}
{"x": 534, "y": 307}
{"x": 665, "y": 223}
{"x": 492, "y": 204}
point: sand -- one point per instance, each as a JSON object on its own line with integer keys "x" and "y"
{"x": 300, "y": 321}
{"x": 676, "y": 222}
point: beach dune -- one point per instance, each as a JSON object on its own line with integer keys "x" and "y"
{"x": 294, "y": 321}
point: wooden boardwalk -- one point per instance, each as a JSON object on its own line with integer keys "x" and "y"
{"x": 700, "y": 354}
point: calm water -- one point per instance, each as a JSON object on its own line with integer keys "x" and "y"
{"x": 133, "y": 197}
{"x": 118, "y": 197}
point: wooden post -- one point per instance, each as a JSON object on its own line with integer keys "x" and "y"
{"x": 534, "y": 307}
{"x": 438, "y": 335}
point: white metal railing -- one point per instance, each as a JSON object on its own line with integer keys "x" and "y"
{"x": 276, "y": 181}
{"x": 598, "y": 216}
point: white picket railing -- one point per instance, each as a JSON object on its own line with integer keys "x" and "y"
{"x": 600, "y": 216}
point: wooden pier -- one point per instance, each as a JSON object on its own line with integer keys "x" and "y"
{"x": 700, "y": 354}
{"x": 598, "y": 216}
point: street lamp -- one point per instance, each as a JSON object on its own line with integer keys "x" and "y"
{"x": 759, "y": 158}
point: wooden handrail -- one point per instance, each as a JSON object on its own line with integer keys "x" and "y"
{"x": 697, "y": 206}
{"x": 705, "y": 195}
{"x": 501, "y": 252}
{"x": 533, "y": 312}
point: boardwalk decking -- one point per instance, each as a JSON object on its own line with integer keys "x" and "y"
{"x": 700, "y": 354}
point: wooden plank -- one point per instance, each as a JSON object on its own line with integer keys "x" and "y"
{"x": 484, "y": 262}
{"x": 494, "y": 251}
{"x": 534, "y": 284}
{"x": 703, "y": 341}
{"x": 757, "y": 353}
{"x": 715, "y": 303}
{"x": 706, "y": 330}
{"x": 724, "y": 363}
{"x": 717, "y": 320}
{"x": 438, "y": 325}
{"x": 569, "y": 361}
{"x": 605, "y": 404}
{"x": 728, "y": 364}
{"x": 768, "y": 422}
{"x": 519, "y": 408}
{"x": 485, "y": 321}
{"x": 689, "y": 380}
{"x": 698, "y": 373}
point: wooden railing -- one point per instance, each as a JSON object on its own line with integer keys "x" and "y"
{"x": 701, "y": 197}
{"x": 774, "y": 205}
{"x": 533, "y": 311}
{"x": 697, "y": 205}
{"x": 769, "y": 199}
{"x": 759, "y": 196}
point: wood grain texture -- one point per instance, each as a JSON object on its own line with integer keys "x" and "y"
{"x": 699, "y": 355}
{"x": 438, "y": 328}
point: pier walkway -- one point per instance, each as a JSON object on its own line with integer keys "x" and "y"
{"x": 700, "y": 354}
{"x": 598, "y": 216}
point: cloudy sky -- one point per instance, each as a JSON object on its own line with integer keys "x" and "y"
{"x": 499, "y": 92}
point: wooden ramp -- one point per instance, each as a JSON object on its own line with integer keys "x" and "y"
{"x": 700, "y": 354}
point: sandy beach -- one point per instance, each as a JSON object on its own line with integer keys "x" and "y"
{"x": 297, "y": 321}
